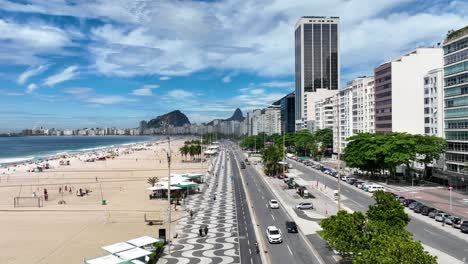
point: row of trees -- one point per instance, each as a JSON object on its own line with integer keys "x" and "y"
{"x": 378, "y": 153}
{"x": 191, "y": 148}
{"x": 378, "y": 236}
{"x": 303, "y": 143}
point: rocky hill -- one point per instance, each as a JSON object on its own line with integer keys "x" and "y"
{"x": 175, "y": 118}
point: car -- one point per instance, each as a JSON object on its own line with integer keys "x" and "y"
{"x": 352, "y": 181}
{"x": 434, "y": 213}
{"x": 427, "y": 210}
{"x": 407, "y": 202}
{"x": 418, "y": 208}
{"x": 274, "y": 235}
{"x": 274, "y": 204}
{"x": 413, "y": 205}
{"x": 441, "y": 217}
{"x": 449, "y": 220}
{"x": 457, "y": 223}
{"x": 401, "y": 199}
{"x": 242, "y": 166}
{"x": 374, "y": 187}
{"x": 361, "y": 185}
{"x": 291, "y": 226}
{"x": 464, "y": 227}
{"x": 460, "y": 223}
{"x": 305, "y": 206}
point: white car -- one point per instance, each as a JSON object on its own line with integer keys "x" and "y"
{"x": 305, "y": 206}
{"x": 274, "y": 235}
{"x": 274, "y": 204}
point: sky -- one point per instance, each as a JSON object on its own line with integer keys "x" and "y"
{"x": 81, "y": 63}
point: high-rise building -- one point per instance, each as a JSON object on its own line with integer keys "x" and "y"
{"x": 287, "y": 113}
{"x": 434, "y": 103}
{"x": 317, "y": 64}
{"x": 399, "y": 86}
{"x": 456, "y": 105}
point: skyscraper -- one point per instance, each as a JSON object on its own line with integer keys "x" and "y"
{"x": 456, "y": 105}
{"x": 317, "y": 64}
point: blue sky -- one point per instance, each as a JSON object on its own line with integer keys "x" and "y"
{"x": 70, "y": 64}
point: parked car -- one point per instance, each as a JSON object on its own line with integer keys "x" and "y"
{"x": 427, "y": 210}
{"x": 374, "y": 188}
{"x": 464, "y": 227}
{"x": 274, "y": 235}
{"x": 407, "y": 202}
{"x": 434, "y": 213}
{"x": 441, "y": 217}
{"x": 352, "y": 181}
{"x": 457, "y": 223}
{"x": 344, "y": 178}
{"x": 305, "y": 206}
{"x": 413, "y": 205}
{"x": 449, "y": 220}
{"x": 360, "y": 184}
{"x": 291, "y": 226}
{"x": 401, "y": 199}
{"x": 274, "y": 204}
{"x": 418, "y": 208}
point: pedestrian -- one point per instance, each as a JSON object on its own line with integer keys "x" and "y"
{"x": 96, "y": 178}
{"x": 214, "y": 197}
{"x": 200, "y": 231}
{"x": 81, "y": 192}
{"x": 191, "y": 213}
{"x": 443, "y": 221}
{"x": 206, "y": 230}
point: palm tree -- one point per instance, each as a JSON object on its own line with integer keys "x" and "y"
{"x": 192, "y": 151}
{"x": 152, "y": 181}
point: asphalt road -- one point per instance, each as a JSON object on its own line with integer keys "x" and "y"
{"x": 294, "y": 249}
{"x": 359, "y": 201}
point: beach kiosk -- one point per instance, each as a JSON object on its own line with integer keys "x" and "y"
{"x": 145, "y": 242}
{"x": 135, "y": 254}
{"x": 109, "y": 259}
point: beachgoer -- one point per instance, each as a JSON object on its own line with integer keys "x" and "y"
{"x": 206, "y": 230}
{"x": 96, "y": 178}
{"x": 60, "y": 189}
{"x": 86, "y": 191}
{"x": 70, "y": 190}
{"x": 81, "y": 192}
{"x": 191, "y": 213}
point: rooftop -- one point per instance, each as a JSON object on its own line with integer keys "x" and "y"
{"x": 451, "y": 35}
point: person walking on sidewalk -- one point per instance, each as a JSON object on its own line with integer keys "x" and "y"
{"x": 206, "y": 230}
{"x": 191, "y": 213}
{"x": 200, "y": 231}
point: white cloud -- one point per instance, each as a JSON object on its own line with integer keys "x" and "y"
{"x": 278, "y": 84}
{"x": 10, "y": 93}
{"x": 180, "y": 94}
{"x": 91, "y": 98}
{"x": 30, "y": 72}
{"x": 79, "y": 91}
{"x": 164, "y": 78}
{"x": 226, "y": 79}
{"x": 109, "y": 99}
{"x": 31, "y": 88}
{"x": 145, "y": 90}
{"x": 69, "y": 73}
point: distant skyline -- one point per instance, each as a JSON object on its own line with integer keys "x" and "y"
{"x": 72, "y": 64}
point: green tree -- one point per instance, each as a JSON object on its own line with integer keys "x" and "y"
{"x": 152, "y": 181}
{"x": 399, "y": 148}
{"x": 302, "y": 141}
{"x": 387, "y": 210}
{"x": 364, "y": 151}
{"x": 184, "y": 151}
{"x": 394, "y": 248}
{"x": 271, "y": 156}
{"x": 428, "y": 149}
{"x": 325, "y": 137}
{"x": 345, "y": 232}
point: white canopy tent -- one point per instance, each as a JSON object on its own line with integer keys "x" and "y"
{"x": 162, "y": 187}
{"x": 143, "y": 241}
{"x": 109, "y": 259}
{"x": 134, "y": 253}
{"x": 118, "y": 247}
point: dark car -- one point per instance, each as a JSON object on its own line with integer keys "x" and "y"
{"x": 413, "y": 205}
{"x": 427, "y": 210}
{"x": 418, "y": 208}
{"x": 242, "y": 165}
{"x": 434, "y": 213}
{"x": 407, "y": 202}
{"x": 352, "y": 181}
{"x": 291, "y": 226}
{"x": 464, "y": 227}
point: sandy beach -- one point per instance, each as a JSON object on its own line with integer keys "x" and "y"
{"x": 67, "y": 233}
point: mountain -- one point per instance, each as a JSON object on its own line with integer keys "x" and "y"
{"x": 175, "y": 118}
{"x": 237, "y": 116}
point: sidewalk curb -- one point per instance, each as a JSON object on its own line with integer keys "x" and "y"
{"x": 303, "y": 236}
{"x": 253, "y": 215}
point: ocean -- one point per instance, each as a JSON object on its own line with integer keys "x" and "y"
{"x": 17, "y": 149}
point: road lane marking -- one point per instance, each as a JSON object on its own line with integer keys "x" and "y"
{"x": 251, "y": 261}
{"x": 273, "y": 218}
{"x": 266, "y": 206}
{"x": 430, "y": 232}
{"x": 250, "y": 252}
{"x": 290, "y": 250}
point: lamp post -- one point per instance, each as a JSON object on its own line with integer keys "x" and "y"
{"x": 169, "y": 193}
{"x": 339, "y": 151}
{"x": 450, "y": 194}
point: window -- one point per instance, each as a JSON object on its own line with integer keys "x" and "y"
{"x": 426, "y": 120}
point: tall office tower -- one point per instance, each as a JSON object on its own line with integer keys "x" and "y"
{"x": 399, "y": 86}
{"x": 287, "y": 113}
{"x": 456, "y": 105}
{"x": 317, "y": 64}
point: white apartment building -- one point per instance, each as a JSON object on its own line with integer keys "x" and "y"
{"x": 325, "y": 113}
{"x": 399, "y": 86}
{"x": 434, "y": 103}
{"x": 266, "y": 120}
{"x": 356, "y": 106}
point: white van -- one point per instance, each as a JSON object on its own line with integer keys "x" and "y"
{"x": 374, "y": 188}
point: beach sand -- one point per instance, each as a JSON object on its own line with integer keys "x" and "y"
{"x": 68, "y": 233}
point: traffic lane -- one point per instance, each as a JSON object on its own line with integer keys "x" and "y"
{"x": 426, "y": 233}
{"x": 247, "y": 236}
{"x": 295, "y": 245}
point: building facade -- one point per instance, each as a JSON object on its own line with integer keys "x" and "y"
{"x": 456, "y": 105}
{"x": 267, "y": 120}
{"x": 316, "y": 64}
{"x": 288, "y": 119}
{"x": 434, "y": 103}
{"x": 399, "y": 86}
